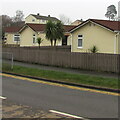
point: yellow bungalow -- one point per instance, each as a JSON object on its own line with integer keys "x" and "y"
{"x": 28, "y": 34}
{"x": 103, "y": 34}
{"x": 12, "y": 35}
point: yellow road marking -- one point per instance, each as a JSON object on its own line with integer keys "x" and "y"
{"x": 61, "y": 85}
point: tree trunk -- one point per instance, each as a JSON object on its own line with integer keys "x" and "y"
{"x": 55, "y": 42}
{"x": 51, "y": 42}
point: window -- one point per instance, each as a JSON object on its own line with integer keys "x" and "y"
{"x": 16, "y": 37}
{"x": 80, "y": 41}
{"x": 43, "y": 21}
{"x": 34, "y": 39}
{"x": 33, "y": 20}
{"x": 79, "y": 35}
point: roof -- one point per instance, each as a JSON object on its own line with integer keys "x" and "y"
{"x": 13, "y": 29}
{"x": 45, "y": 17}
{"x": 35, "y": 27}
{"x": 41, "y": 27}
{"x": 68, "y": 28}
{"x": 111, "y": 25}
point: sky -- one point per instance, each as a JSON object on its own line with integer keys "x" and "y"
{"x": 73, "y": 9}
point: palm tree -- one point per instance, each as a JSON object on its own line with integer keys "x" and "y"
{"x": 94, "y": 49}
{"x": 54, "y": 31}
{"x": 39, "y": 41}
{"x": 59, "y": 32}
{"x": 50, "y": 31}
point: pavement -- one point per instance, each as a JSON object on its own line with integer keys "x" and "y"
{"x": 67, "y": 70}
{"x": 11, "y": 110}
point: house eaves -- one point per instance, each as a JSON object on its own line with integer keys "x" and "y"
{"x": 77, "y": 27}
{"x": 24, "y": 27}
{"x": 94, "y": 22}
{"x": 102, "y": 26}
{"x": 116, "y": 31}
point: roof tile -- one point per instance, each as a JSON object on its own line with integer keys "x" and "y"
{"x": 41, "y": 27}
{"x": 12, "y": 29}
{"x": 112, "y": 25}
{"x": 45, "y": 17}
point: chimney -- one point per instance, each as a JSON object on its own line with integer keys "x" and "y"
{"x": 38, "y": 14}
{"x": 48, "y": 15}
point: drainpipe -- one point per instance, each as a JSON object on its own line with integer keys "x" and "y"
{"x": 115, "y": 42}
{"x": 71, "y": 42}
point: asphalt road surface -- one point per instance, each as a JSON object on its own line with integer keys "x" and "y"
{"x": 50, "y": 97}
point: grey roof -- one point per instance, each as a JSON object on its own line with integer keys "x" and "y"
{"x": 45, "y": 17}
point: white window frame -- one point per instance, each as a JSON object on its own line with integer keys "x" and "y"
{"x": 80, "y": 37}
{"x": 43, "y": 21}
{"x": 34, "y": 39}
{"x": 16, "y": 36}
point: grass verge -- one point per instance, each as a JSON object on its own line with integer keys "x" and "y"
{"x": 66, "y": 77}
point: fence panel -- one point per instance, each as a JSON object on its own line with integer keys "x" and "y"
{"x": 86, "y": 61}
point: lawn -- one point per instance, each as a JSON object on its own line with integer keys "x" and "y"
{"x": 67, "y": 77}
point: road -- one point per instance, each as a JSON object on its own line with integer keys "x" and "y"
{"x": 77, "y": 102}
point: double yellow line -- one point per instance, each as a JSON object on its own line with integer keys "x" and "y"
{"x": 60, "y": 85}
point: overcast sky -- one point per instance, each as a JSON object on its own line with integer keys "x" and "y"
{"x": 73, "y": 9}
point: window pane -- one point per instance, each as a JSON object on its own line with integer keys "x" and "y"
{"x": 80, "y": 36}
{"x": 16, "y": 37}
{"x": 79, "y": 42}
{"x": 33, "y": 39}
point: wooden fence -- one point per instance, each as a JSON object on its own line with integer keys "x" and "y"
{"x": 85, "y": 61}
{"x": 56, "y": 48}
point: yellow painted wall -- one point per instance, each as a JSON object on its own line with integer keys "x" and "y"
{"x": 46, "y": 42}
{"x": 10, "y": 38}
{"x": 27, "y": 38}
{"x": 69, "y": 40}
{"x": 37, "y": 21}
{"x": 93, "y": 35}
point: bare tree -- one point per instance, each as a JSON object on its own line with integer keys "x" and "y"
{"x": 64, "y": 19}
{"x": 19, "y": 16}
{"x": 111, "y": 12}
{"x": 6, "y": 20}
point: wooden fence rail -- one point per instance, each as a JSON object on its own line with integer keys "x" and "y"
{"x": 85, "y": 61}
